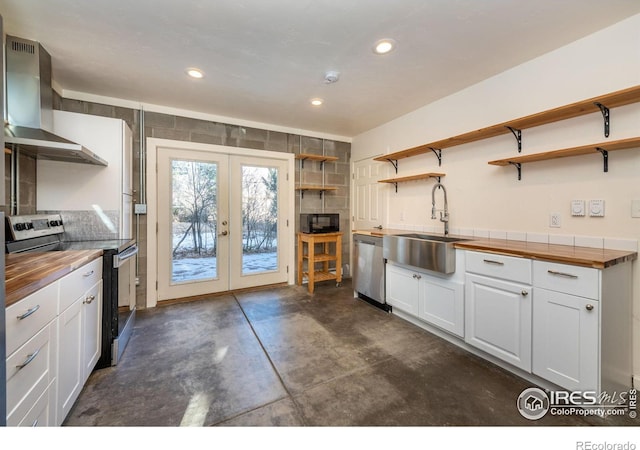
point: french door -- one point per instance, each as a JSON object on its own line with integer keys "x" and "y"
{"x": 221, "y": 222}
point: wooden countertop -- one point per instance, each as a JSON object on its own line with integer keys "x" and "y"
{"x": 27, "y": 272}
{"x": 566, "y": 254}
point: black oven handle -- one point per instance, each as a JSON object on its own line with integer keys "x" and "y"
{"x": 121, "y": 258}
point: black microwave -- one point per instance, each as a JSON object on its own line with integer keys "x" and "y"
{"x": 320, "y": 223}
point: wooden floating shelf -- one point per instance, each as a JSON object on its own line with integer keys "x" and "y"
{"x": 604, "y": 148}
{"x": 316, "y": 188}
{"x": 614, "y": 99}
{"x": 312, "y": 157}
{"x": 422, "y": 176}
{"x": 321, "y": 190}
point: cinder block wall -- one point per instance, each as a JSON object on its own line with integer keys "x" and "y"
{"x": 167, "y": 126}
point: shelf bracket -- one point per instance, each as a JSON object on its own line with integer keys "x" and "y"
{"x": 302, "y": 163}
{"x": 438, "y": 153}
{"x": 396, "y": 185}
{"x": 394, "y": 163}
{"x": 519, "y": 167}
{"x": 605, "y": 115}
{"x": 518, "y": 135}
{"x": 605, "y": 158}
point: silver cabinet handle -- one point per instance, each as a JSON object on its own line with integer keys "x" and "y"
{"x": 524, "y": 293}
{"x": 562, "y": 274}
{"x": 88, "y": 274}
{"x": 416, "y": 276}
{"x": 35, "y": 424}
{"x": 491, "y": 261}
{"x": 589, "y": 307}
{"x": 30, "y": 358}
{"x": 89, "y": 299}
{"x": 29, "y": 312}
{"x": 224, "y": 233}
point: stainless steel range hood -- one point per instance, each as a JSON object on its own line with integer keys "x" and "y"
{"x": 29, "y": 107}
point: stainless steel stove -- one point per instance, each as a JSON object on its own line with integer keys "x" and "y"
{"x": 45, "y": 233}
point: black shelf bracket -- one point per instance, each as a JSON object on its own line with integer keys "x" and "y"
{"x": 396, "y": 185}
{"x": 438, "y": 153}
{"x": 438, "y": 178}
{"x": 605, "y": 115}
{"x": 518, "y": 135}
{"x": 302, "y": 163}
{"x": 394, "y": 163}
{"x": 605, "y": 158}
{"x": 519, "y": 167}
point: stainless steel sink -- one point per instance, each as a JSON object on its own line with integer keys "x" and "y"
{"x": 425, "y": 251}
{"x": 432, "y": 237}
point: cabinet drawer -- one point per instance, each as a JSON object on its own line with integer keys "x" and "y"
{"x": 499, "y": 266}
{"x": 574, "y": 280}
{"x": 29, "y": 372}
{"x": 78, "y": 282}
{"x": 26, "y": 317}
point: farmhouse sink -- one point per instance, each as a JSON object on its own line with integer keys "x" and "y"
{"x": 424, "y": 251}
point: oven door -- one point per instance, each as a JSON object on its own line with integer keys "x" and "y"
{"x": 124, "y": 263}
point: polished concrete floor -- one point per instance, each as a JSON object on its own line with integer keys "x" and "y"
{"x": 282, "y": 357}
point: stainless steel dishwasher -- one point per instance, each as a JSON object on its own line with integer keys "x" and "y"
{"x": 368, "y": 273}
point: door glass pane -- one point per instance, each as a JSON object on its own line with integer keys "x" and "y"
{"x": 194, "y": 220}
{"x": 259, "y": 219}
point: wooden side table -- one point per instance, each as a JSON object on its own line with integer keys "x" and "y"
{"x": 312, "y": 273}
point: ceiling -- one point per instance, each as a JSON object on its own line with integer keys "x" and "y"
{"x": 264, "y": 60}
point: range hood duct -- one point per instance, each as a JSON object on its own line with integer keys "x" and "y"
{"x": 30, "y": 107}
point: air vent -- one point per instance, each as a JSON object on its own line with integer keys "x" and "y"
{"x": 23, "y": 47}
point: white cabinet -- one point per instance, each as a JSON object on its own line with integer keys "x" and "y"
{"x": 32, "y": 354}
{"x": 498, "y": 311}
{"x": 403, "y": 289}
{"x": 565, "y": 339}
{"x": 51, "y": 354}
{"x": 436, "y": 300}
{"x": 79, "y": 332}
{"x": 582, "y": 327}
{"x": 63, "y": 186}
{"x": 498, "y": 319}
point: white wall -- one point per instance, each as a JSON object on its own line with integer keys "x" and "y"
{"x": 490, "y": 199}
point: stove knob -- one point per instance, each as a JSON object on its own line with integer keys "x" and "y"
{"x": 19, "y": 226}
{"x": 29, "y": 226}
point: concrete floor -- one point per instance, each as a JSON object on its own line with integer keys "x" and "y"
{"x": 282, "y": 357}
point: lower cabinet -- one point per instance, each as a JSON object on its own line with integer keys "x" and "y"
{"x": 565, "y": 339}
{"x": 437, "y": 301}
{"x": 80, "y": 343}
{"x": 53, "y": 343}
{"x": 499, "y": 319}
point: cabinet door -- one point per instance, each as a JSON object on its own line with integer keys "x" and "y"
{"x": 442, "y": 304}
{"x": 403, "y": 289}
{"x": 70, "y": 358}
{"x": 498, "y": 319}
{"x": 565, "y": 339}
{"x": 91, "y": 330}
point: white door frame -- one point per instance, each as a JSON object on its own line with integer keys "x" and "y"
{"x": 153, "y": 144}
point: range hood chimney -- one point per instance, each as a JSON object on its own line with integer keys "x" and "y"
{"x": 30, "y": 106}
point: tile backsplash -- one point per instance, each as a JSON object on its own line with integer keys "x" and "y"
{"x": 88, "y": 225}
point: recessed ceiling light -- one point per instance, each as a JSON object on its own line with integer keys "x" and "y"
{"x": 316, "y": 101}
{"x": 384, "y": 46}
{"x": 195, "y": 73}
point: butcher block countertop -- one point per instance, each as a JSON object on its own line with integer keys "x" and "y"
{"x": 28, "y": 272}
{"x": 566, "y": 254}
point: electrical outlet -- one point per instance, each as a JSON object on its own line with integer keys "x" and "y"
{"x": 554, "y": 220}
{"x": 635, "y": 208}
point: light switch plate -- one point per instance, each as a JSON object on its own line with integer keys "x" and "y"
{"x": 140, "y": 208}
{"x": 577, "y": 208}
{"x": 596, "y": 208}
